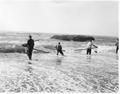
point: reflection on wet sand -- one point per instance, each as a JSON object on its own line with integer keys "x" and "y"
{"x": 29, "y": 62}
{"x": 59, "y": 60}
{"x": 29, "y": 68}
{"x": 117, "y": 56}
{"x": 89, "y": 58}
{"x": 60, "y": 74}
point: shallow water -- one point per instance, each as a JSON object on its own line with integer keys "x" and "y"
{"x": 51, "y": 73}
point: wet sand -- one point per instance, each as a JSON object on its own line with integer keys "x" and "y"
{"x": 51, "y": 73}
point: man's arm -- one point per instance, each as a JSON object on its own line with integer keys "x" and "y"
{"x": 95, "y": 46}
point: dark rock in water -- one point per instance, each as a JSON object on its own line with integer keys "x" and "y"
{"x": 80, "y": 38}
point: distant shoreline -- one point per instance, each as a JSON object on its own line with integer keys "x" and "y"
{"x": 80, "y": 38}
{"x": 31, "y": 32}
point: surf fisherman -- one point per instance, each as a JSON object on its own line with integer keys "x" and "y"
{"x": 117, "y": 45}
{"x": 89, "y": 47}
{"x": 59, "y": 49}
{"x": 30, "y": 46}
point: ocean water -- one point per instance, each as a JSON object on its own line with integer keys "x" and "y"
{"x": 104, "y": 43}
{"x": 47, "y": 72}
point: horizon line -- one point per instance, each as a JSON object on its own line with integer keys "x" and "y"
{"x": 57, "y": 33}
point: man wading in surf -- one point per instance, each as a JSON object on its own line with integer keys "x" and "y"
{"x": 89, "y": 47}
{"x": 117, "y": 45}
{"x": 30, "y": 46}
{"x": 59, "y": 49}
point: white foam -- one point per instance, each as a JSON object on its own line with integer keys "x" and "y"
{"x": 105, "y": 48}
{"x": 15, "y": 42}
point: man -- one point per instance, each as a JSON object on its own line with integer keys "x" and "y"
{"x": 89, "y": 47}
{"x": 30, "y": 46}
{"x": 117, "y": 45}
{"x": 59, "y": 49}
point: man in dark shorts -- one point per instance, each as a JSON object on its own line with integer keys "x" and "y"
{"x": 117, "y": 45}
{"x": 59, "y": 49}
{"x": 30, "y": 46}
{"x": 89, "y": 47}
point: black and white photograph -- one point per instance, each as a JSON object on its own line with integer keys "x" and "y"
{"x": 59, "y": 46}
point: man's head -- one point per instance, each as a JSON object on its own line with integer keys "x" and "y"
{"x": 58, "y": 42}
{"x": 30, "y": 36}
{"x": 90, "y": 40}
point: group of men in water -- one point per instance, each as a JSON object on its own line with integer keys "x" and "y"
{"x": 90, "y": 45}
{"x": 30, "y": 47}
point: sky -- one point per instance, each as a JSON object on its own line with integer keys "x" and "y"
{"x": 60, "y": 16}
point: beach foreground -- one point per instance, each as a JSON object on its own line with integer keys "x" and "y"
{"x": 51, "y": 73}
